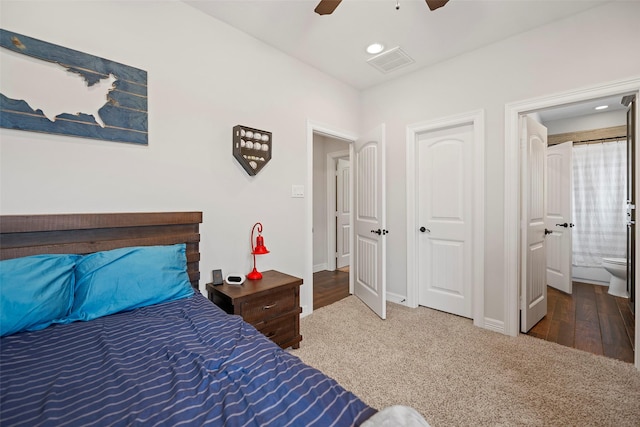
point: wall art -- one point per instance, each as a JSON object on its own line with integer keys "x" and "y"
{"x": 52, "y": 89}
{"x": 252, "y": 148}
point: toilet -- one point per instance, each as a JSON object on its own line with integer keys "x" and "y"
{"x": 617, "y": 267}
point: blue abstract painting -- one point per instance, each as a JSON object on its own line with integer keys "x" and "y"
{"x": 67, "y": 92}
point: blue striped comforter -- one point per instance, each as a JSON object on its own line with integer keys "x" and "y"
{"x": 180, "y": 363}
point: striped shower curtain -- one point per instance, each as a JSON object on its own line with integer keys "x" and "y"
{"x": 599, "y": 202}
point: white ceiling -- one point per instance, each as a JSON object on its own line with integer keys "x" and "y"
{"x": 335, "y": 44}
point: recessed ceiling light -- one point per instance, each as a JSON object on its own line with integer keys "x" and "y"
{"x": 375, "y": 48}
{"x": 602, "y": 107}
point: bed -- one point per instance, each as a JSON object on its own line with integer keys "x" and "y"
{"x": 130, "y": 340}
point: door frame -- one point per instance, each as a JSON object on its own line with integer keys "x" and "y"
{"x": 512, "y": 168}
{"x": 313, "y": 127}
{"x": 332, "y": 207}
{"x": 476, "y": 120}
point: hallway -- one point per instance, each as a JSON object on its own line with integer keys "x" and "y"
{"x": 329, "y": 287}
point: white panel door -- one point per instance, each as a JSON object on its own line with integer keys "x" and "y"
{"x": 632, "y": 207}
{"x": 369, "y": 249}
{"x": 534, "y": 200}
{"x": 558, "y": 219}
{"x": 445, "y": 174}
{"x": 343, "y": 212}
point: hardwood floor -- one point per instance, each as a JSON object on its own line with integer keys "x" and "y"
{"x": 589, "y": 320}
{"x": 329, "y": 287}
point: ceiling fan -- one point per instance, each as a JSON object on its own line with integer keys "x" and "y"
{"x": 326, "y": 7}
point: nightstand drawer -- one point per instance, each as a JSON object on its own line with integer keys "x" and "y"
{"x": 270, "y": 305}
{"x": 280, "y": 330}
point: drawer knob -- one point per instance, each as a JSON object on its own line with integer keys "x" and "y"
{"x": 267, "y": 307}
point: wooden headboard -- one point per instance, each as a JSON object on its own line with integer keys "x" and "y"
{"x": 25, "y": 235}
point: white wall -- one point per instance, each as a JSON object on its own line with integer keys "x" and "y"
{"x": 204, "y": 78}
{"x": 319, "y": 203}
{"x": 322, "y": 146}
{"x": 567, "y": 54}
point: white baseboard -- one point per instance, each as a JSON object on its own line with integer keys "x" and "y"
{"x": 396, "y": 298}
{"x": 591, "y": 282}
{"x": 494, "y": 325}
{"x": 320, "y": 267}
{"x": 591, "y": 275}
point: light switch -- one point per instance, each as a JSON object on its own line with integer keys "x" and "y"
{"x": 297, "y": 191}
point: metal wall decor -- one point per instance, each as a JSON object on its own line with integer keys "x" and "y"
{"x": 251, "y": 148}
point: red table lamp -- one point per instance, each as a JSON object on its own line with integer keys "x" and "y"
{"x": 258, "y": 249}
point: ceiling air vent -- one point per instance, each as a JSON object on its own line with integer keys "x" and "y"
{"x": 390, "y": 60}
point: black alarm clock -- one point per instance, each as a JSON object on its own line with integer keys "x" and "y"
{"x": 235, "y": 279}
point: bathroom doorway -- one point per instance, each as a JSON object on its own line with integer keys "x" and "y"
{"x": 590, "y": 318}
{"x": 594, "y": 147}
{"x": 514, "y": 269}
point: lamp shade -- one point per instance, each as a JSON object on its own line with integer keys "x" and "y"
{"x": 260, "y": 249}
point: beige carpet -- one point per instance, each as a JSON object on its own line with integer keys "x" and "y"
{"x": 456, "y": 374}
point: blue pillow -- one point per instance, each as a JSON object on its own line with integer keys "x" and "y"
{"x": 35, "y": 291}
{"x": 123, "y": 279}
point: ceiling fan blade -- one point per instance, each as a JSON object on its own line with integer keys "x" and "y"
{"x": 435, "y": 4}
{"x": 326, "y": 7}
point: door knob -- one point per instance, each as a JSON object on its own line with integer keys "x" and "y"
{"x": 379, "y": 232}
{"x": 547, "y": 231}
{"x": 565, "y": 225}
{"x": 423, "y": 229}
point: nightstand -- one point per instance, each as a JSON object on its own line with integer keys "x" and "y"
{"x": 271, "y": 305}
